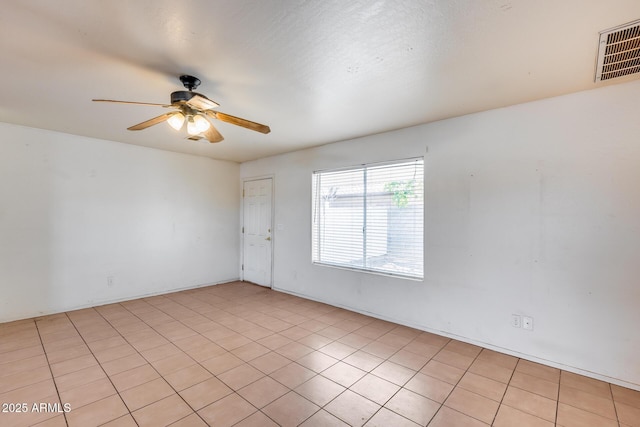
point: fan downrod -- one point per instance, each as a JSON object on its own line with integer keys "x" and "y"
{"x": 190, "y": 82}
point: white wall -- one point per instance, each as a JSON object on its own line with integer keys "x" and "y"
{"x": 75, "y": 210}
{"x": 532, "y": 209}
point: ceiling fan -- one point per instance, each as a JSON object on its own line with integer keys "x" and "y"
{"x": 194, "y": 109}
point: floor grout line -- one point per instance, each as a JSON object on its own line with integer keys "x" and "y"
{"x": 53, "y": 379}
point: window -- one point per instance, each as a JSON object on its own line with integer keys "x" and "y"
{"x": 370, "y": 218}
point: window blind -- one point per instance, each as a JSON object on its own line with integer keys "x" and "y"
{"x": 370, "y": 218}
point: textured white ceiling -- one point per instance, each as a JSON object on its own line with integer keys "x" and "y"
{"x": 314, "y": 71}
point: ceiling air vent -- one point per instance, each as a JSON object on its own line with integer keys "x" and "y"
{"x": 619, "y": 52}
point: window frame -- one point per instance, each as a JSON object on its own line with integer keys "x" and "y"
{"x": 363, "y": 167}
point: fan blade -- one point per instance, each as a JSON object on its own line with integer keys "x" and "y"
{"x": 130, "y": 102}
{"x": 238, "y": 121}
{"x": 151, "y": 122}
{"x": 212, "y": 134}
{"x": 201, "y": 102}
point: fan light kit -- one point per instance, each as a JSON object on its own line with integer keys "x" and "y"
{"x": 192, "y": 108}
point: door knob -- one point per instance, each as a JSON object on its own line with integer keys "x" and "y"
{"x": 268, "y": 238}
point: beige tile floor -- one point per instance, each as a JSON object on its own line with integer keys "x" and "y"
{"x": 241, "y": 355}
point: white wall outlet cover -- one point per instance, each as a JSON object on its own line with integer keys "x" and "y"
{"x": 527, "y": 323}
{"x": 516, "y": 320}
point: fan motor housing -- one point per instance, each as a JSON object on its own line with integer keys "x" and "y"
{"x": 182, "y": 96}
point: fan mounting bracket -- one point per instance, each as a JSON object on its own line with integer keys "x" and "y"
{"x": 190, "y": 82}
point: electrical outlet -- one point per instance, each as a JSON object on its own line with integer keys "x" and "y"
{"x": 109, "y": 281}
{"x": 516, "y": 320}
{"x": 527, "y": 323}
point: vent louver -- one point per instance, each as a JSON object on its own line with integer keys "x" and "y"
{"x": 619, "y": 52}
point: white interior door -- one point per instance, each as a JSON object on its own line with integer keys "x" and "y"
{"x": 257, "y": 231}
